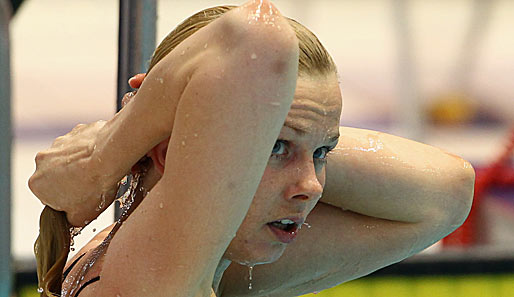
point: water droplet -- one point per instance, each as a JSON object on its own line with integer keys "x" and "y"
{"x": 68, "y": 161}
{"x": 227, "y": 49}
{"x": 99, "y": 160}
{"x": 182, "y": 53}
{"x": 250, "y": 277}
{"x": 205, "y": 45}
{"x": 94, "y": 229}
{"x": 161, "y": 80}
{"x": 183, "y": 143}
{"x": 94, "y": 147}
{"x": 187, "y": 115}
{"x": 195, "y": 135}
{"x": 161, "y": 205}
{"x": 275, "y": 103}
{"x": 307, "y": 225}
{"x": 40, "y": 290}
{"x": 102, "y": 202}
{"x": 72, "y": 249}
{"x": 254, "y": 56}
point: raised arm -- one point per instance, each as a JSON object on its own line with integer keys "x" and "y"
{"x": 80, "y": 171}
{"x": 390, "y": 177}
{"x": 385, "y": 199}
{"x": 242, "y": 81}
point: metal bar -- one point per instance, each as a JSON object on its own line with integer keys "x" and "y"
{"x": 136, "y": 43}
{"x": 5, "y": 153}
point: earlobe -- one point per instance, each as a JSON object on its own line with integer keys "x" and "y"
{"x": 158, "y": 155}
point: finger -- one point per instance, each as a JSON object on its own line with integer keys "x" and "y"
{"x": 127, "y": 97}
{"x": 136, "y": 81}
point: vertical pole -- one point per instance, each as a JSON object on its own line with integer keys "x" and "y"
{"x": 136, "y": 43}
{"x": 5, "y": 152}
{"x": 410, "y": 116}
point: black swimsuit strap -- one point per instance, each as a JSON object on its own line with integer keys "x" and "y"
{"x": 65, "y": 274}
{"x": 94, "y": 279}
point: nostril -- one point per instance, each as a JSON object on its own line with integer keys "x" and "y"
{"x": 301, "y": 197}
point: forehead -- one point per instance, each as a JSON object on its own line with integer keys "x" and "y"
{"x": 316, "y": 107}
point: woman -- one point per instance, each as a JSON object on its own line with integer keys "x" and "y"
{"x": 207, "y": 116}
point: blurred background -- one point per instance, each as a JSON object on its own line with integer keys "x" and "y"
{"x": 440, "y": 72}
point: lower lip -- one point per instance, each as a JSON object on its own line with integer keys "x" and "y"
{"x": 284, "y": 236}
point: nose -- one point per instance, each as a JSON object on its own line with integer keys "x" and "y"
{"x": 306, "y": 184}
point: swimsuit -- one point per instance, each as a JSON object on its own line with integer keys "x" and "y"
{"x": 65, "y": 274}
{"x": 127, "y": 209}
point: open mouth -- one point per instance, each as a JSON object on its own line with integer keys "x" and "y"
{"x": 285, "y": 225}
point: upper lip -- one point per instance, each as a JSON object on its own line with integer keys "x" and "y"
{"x": 298, "y": 220}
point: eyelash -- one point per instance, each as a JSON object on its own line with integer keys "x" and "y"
{"x": 286, "y": 143}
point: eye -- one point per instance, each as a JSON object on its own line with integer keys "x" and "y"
{"x": 279, "y": 148}
{"x": 321, "y": 153}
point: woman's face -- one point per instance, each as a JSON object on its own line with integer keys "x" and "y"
{"x": 294, "y": 178}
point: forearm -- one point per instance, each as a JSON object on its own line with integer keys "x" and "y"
{"x": 390, "y": 177}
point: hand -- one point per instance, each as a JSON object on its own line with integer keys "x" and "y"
{"x": 134, "y": 82}
{"x": 70, "y": 177}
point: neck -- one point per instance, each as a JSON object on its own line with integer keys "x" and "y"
{"x": 220, "y": 269}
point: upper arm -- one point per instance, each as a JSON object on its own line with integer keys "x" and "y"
{"x": 340, "y": 246}
{"x": 224, "y": 124}
{"x": 396, "y": 208}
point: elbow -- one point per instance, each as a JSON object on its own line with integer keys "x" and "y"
{"x": 461, "y": 196}
{"x": 260, "y": 31}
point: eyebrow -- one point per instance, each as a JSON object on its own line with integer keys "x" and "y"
{"x": 301, "y": 131}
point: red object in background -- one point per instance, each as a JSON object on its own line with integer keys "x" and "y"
{"x": 499, "y": 173}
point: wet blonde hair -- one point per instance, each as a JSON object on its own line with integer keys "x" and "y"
{"x": 313, "y": 60}
{"x": 53, "y": 244}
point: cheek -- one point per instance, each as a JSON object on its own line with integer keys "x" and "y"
{"x": 271, "y": 180}
{"x": 321, "y": 173}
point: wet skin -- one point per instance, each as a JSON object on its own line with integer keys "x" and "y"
{"x": 294, "y": 178}
{"x": 292, "y": 182}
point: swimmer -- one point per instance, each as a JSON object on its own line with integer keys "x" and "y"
{"x": 234, "y": 132}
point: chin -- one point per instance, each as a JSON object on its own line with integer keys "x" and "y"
{"x": 254, "y": 254}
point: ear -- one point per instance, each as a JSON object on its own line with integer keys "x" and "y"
{"x": 158, "y": 155}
